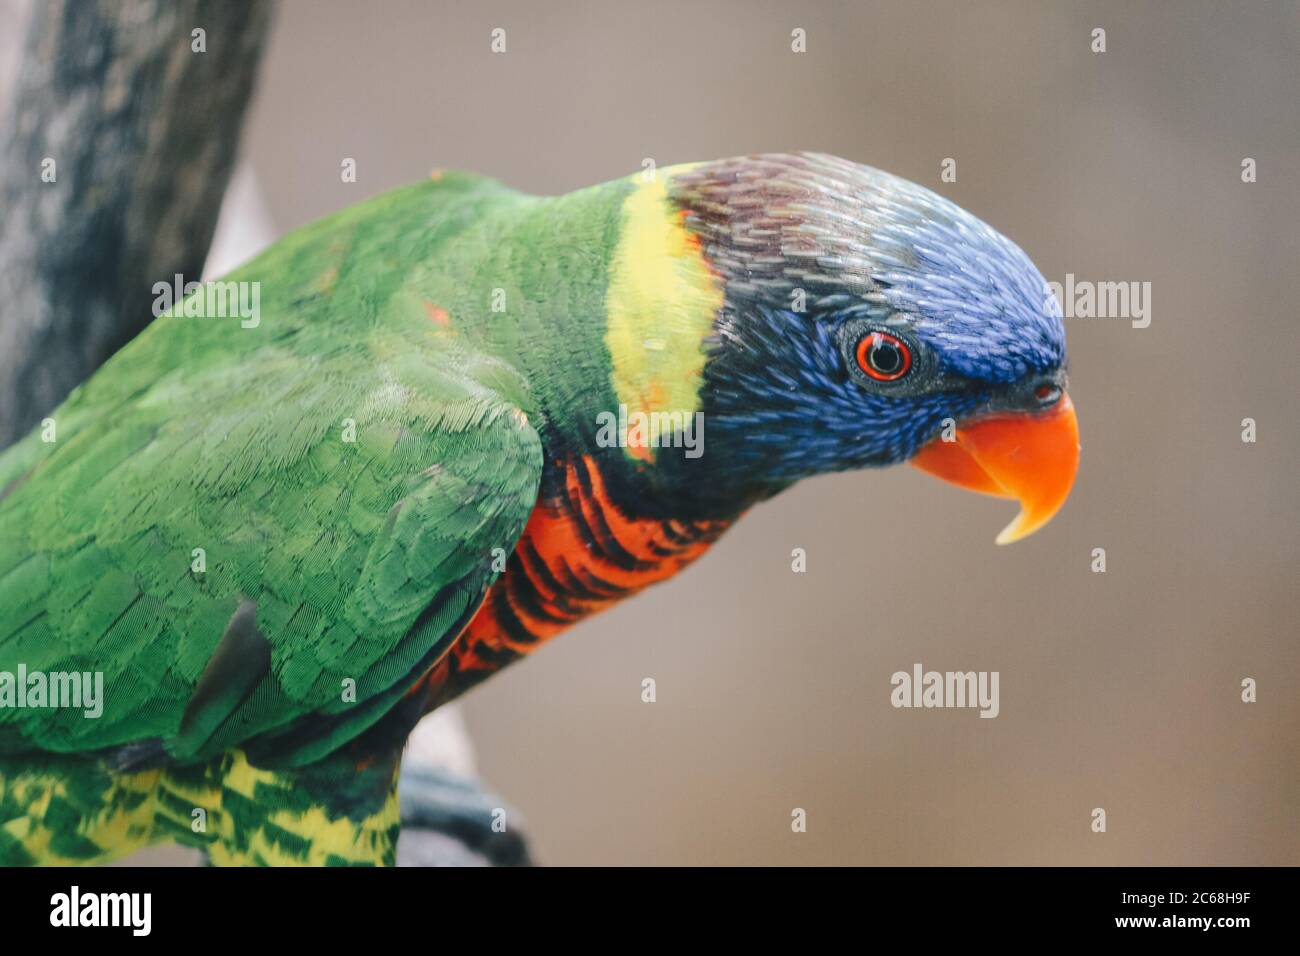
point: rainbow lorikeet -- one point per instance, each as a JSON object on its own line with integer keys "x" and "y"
{"x": 463, "y": 419}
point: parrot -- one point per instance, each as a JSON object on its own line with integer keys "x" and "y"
{"x": 464, "y": 419}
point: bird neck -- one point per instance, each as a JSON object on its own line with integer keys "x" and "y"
{"x": 603, "y": 301}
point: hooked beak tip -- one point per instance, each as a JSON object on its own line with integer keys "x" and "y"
{"x": 1031, "y": 457}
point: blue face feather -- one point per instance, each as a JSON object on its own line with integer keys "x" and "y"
{"x": 818, "y": 255}
{"x": 979, "y": 300}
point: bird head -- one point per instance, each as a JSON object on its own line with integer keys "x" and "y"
{"x": 861, "y": 320}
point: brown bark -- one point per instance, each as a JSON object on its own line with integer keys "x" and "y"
{"x": 143, "y": 133}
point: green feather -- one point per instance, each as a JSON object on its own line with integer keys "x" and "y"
{"x": 362, "y": 558}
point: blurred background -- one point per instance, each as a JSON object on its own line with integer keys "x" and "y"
{"x": 1119, "y": 690}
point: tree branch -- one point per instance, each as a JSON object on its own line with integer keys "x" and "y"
{"x": 142, "y": 131}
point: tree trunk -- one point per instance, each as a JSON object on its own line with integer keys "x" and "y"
{"x": 114, "y": 156}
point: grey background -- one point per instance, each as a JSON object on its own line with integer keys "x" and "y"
{"x": 1118, "y": 690}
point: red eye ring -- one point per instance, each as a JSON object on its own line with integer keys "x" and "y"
{"x": 883, "y": 357}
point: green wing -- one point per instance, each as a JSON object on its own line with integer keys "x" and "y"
{"x": 262, "y": 535}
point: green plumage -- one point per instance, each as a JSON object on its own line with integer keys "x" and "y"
{"x": 347, "y": 466}
{"x": 203, "y": 434}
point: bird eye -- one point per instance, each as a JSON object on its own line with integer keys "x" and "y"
{"x": 884, "y": 357}
{"x": 1047, "y": 394}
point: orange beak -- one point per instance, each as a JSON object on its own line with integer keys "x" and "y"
{"x": 1031, "y": 457}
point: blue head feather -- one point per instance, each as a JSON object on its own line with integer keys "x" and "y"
{"x": 813, "y": 250}
{"x": 979, "y": 300}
